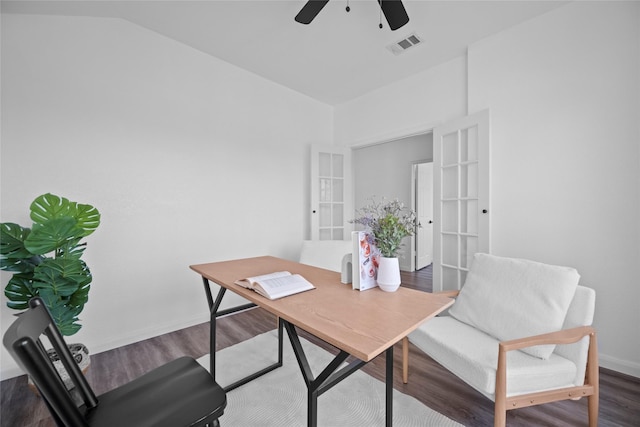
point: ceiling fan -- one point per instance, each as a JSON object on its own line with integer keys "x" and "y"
{"x": 393, "y": 10}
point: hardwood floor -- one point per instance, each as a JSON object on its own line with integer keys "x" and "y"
{"x": 428, "y": 381}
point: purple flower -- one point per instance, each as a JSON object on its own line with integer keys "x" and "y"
{"x": 389, "y": 222}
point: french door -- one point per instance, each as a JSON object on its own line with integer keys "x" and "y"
{"x": 461, "y": 197}
{"x": 330, "y": 193}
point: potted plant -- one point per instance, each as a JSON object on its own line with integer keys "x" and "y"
{"x": 389, "y": 222}
{"x": 46, "y": 260}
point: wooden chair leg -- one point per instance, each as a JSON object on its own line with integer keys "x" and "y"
{"x": 500, "y": 415}
{"x": 405, "y": 360}
{"x": 593, "y": 378}
{"x": 593, "y": 403}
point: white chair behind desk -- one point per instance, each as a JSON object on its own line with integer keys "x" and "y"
{"x": 326, "y": 254}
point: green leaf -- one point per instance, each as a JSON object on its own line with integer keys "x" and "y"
{"x": 14, "y": 265}
{"x": 73, "y": 252}
{"x": 80, "y": 297}
{"x": 25, "y": 266}
{"x": 12, "y": 237}
{"x": 49, "y": 206}
{"x": 88, "y": 218}
{"x": 68, "y": 328}
{"x": 53, "y": 234}
{"x": 62, "y": 276}
{"x": 64, "y": 315}
{"x": 13, "y": 254}
{"x": 19, "y": 291}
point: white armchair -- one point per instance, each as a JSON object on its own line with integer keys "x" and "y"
{"x": 519, "y": 333}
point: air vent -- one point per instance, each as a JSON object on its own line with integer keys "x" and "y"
{"x": 405, "y": 44}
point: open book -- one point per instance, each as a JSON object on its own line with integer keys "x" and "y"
{"x": 276, "y": 285}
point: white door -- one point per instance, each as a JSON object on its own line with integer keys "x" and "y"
{"x": 330, "y": 193}
{"x": 461, "y": 197}
{"x": 424, "y": 211}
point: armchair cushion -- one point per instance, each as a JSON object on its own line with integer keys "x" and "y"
{"x": 509, "y": 298}
{"x": 473, "y": 356}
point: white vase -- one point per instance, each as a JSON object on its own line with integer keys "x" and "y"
{"x": 388, "y": 274}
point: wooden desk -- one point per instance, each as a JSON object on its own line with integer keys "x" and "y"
{"x": 360, "y": 324}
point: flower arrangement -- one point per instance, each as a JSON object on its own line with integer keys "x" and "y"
{"x": 389, "y": 222}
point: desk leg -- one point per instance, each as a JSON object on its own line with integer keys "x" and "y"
{"x": 330, "y": 376}
{"x": 389, "y": 387}
{"x": 214, "y": 314}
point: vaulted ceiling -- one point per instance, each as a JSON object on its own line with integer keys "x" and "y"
{"x": 336, "y": 58}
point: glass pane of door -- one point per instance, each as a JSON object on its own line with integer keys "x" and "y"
{"x": 329, "y": 193}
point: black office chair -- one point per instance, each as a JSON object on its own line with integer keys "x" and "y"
{"x": 180, "y": 393}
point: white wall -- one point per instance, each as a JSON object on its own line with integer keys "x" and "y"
{"x": 564, "y": 95}
{"x": 186, "y": 157}
{"x": 410, "y": 106}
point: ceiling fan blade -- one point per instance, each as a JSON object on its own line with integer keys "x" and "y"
{"x": 310, "y": 10}
{"x": 394, "y": 12}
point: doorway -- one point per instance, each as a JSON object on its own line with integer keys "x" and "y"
{"x": 459, "y": 150}
{"x": 422, "y": 204}
{"x": 384, "y": 170}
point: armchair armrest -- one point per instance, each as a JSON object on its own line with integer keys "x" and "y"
{"x": 450, "y": 294}
{"x": 566, "y": 336}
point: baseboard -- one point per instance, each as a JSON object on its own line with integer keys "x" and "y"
{"x": 619, "y": 365}
{"x": 10, "y": 372}
{"x": 146, "y": 333}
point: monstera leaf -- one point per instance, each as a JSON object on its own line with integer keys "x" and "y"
{"x": 64, "y": 314}
{"x": 48, "y": 207}
{"x": 19, "y": 291}
{"x": 62, "y": 276}
{"x": 88, "y": 218}
{"x": 46, "y": 259}
{"x": 12, "y": 240}
{"x": 54, "y": 234}
{"x": 13, "y": 255}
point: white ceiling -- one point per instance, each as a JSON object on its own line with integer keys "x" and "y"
{"x": 336, "y": 58}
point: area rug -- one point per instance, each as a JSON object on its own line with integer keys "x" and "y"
{"x": 279, "y": 398}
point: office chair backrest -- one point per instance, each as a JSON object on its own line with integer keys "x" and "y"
{"x": 22, "y": 340}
